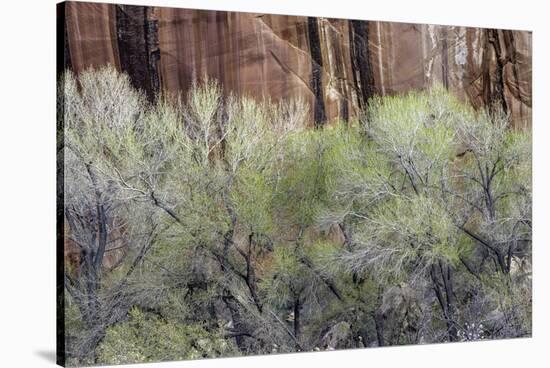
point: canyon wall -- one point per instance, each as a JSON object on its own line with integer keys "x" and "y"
{"x": 334, "y": 64}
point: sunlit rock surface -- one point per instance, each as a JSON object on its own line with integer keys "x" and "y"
{"x": 335, "y": 64}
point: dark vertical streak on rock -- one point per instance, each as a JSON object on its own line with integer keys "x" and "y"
{"x": 63, "y": 52}
{"x": 512, "y": 57}
{"x": 363, "y": 76}
{"x": 344, "y": 108}
{"x": 137, "y": 38}
{"x": 486, "y": 70}
{"x": 297, "y": 306}
{"x": 354, "y": 66}
{"x": 339, "y": 65}
{"x": 510, "y": 47}
{"x": 153, "y": 48}
{"x": 493, "y": 91}
{"x": 62, "y": 63}
{"x": 500, "y": 58}
{"x": 511, "y": 50}
{"x": 444, "y": 58}
{"x": 319, "y": 115}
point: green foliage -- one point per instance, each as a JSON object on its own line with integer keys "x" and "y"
{"x": 146, "y": 337}
{"x": 252, "y": 196}
{"x": 244, "y": 233}
{"x": 287, "y": 279}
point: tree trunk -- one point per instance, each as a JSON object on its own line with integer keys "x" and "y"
{"x": 297, "y": 321}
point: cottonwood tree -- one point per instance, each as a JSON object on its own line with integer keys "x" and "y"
{"x": 315, "y": 299}
{"x": 105, "y": 230}
{"x": 422, "y": 193}
{"x": 219, "y": 226}
{"x": 200, "y": 167}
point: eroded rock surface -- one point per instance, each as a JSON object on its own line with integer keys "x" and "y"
{"x": 334, "y": 64}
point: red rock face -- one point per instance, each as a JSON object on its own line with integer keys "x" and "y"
{"x": 334, "y": 64}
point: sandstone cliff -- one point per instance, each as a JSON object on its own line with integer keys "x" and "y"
{"x": 335, "y": 64}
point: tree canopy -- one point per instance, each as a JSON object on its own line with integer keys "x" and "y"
{"x": 211, "y": 225}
